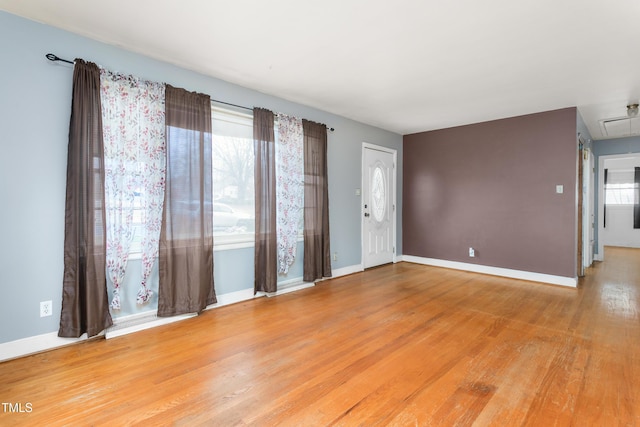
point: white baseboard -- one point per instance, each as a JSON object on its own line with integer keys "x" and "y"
{"x": 35, "y": 344}
{"x": 345, "y": 271}
{"x": 122, "y": 326}
{"x": 138, "y": 322}
{"x": 233, "y": 297}
{"x": 495, "y": 271}
{"x": 598, "y": 257}
{"x": 297, "y": 283}
{"x": 290, "y": 286}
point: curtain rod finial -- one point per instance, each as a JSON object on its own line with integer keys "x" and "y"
{"x": 52, "y": 57}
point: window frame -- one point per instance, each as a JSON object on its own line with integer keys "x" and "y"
{"x": 240, "y": 240}
{"x": 620, "y": 190}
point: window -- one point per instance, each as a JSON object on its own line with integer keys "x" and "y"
{"x": 233, "y": 190}
{"x": 233, "y": 187}
{"x": 620, "y": 189}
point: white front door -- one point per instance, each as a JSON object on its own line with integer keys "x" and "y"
{"x": 378, "y": 206}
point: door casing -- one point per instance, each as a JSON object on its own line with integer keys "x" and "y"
{"x": 393, "y": 212}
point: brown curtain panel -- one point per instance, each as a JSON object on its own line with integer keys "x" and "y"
{"x": 85, "y": 306}
{"x": 186, "y": 237}
{"x": 606, "y": 184}
{"x": 636, "y": 198}
{"x": 317, "y": 252}
{"x": 266, "y": 244}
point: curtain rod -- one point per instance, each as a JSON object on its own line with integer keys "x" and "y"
{"x": 52, "y": 57}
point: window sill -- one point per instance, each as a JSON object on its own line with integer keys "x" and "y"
{"x": 217, "y": 247}
{"x": 620, "y": 206}
{"x": 225, "y": 244}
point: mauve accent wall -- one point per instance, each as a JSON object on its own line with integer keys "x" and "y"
{"x": 492, "y": 186}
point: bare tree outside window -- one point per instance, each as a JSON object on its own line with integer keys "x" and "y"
{"x": 233, "y": 190}
{"x": 233, "y": 168}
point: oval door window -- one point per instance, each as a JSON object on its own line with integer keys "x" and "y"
{"x": 378, "y": 194}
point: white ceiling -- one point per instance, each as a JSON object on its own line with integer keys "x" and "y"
{"x": 403, "y": 65}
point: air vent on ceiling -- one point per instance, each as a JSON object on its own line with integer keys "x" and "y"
{"x": 620, "y": 127}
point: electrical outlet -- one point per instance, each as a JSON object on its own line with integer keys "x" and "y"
{"x": 472, "y": 252}
{"x": 46, "y": 308}
{"x": 335, "y": 256}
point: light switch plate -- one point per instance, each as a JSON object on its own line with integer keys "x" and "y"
{"x": 559, "y": 189}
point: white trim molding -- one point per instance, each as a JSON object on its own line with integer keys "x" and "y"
{"x": 394, "y": 197}
{"x": 495, "y": 271}
{"x": 345, "y": 271}
{"x": 233, "y": 297}
{"x": 139, "y": 322}
{"x": 35, "y": 344}
{"x": 290, "y": 286}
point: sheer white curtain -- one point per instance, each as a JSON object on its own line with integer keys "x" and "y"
{"x": 133, "y": 121}
{"x": 289, "y": 188}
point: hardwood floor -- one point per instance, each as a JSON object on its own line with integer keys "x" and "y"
{"x": 398, "y": 345}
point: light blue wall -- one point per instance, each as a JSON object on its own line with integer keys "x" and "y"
{"x": 583, "y": 131}
{"x": 35, "y": 101}
{"x": 609, "y": 147}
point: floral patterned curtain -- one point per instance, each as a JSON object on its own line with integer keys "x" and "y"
{"x": 289, "y": 188}
{"x": 134, "y": 150}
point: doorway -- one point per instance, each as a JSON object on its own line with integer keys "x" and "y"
{"x": 586, "y": 173}
{"x": 588, "y": 203}
{"x": 615, "y": 219}
{"x": 378, "y": 205}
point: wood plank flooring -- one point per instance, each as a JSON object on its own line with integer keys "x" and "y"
{"x": 398, "y": 345}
